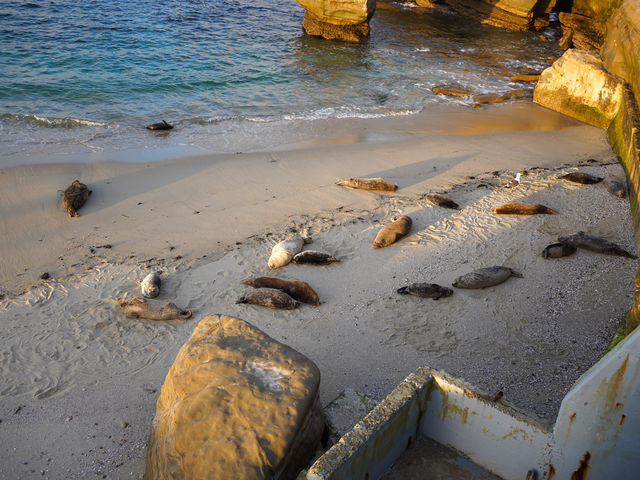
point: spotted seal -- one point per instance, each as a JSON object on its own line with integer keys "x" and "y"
{"x": 426, "y": 290}
{"x": 615, "y": 187}
{"x": 581, "y": 178}
{"x": 283, "y": 251}
{"x": 517, "y": 208}
{"x": 163, "y": 125}
{"x": 152, "y": 309}
{"x": 392, "y": 232}
{"x": 485, "y": 277}
{"x": 442, "y": 200}
{"x": 75, "y": 196}
{"x": 314, "y": 256}
{"x": 558, "y": 250}
{"x": 296, "y": 289}
{"x": 378, "y": 183}
{"x": 595, "y": 244}
{"x": 150, "y": 285}
{"x": 270, "y": 298}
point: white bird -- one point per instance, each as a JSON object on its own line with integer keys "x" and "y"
{"x": 515, "y": 182}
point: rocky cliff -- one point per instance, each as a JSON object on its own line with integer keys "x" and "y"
{"x": 346, "y": 20}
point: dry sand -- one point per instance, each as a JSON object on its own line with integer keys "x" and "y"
{"x": 79, "y": 381}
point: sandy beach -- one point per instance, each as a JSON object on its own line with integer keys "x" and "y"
{"x": 79, "y": 381}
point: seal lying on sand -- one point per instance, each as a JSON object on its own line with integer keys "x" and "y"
{"x": 282, "y": 252}
{"x": 150, "y": 285}
{"x": 314, "y": 256}
{"x": 270, "y": 298}
{"x": 392, "y": 232}
{"x": 517, "y": 208}
{"x": 581, "y": 178}
{"x": 160, "y": 126}
{"x": 75, "y": 196}
{"x": 595, "y": 244}
{"x": 442, "y": 200}
{"x": 152, "y": 309}
{"x": 368, "y": 184}
{"x": 301, "y": 291}
{"x": 485, "y": 277}
{"x": 426, "y": 290}
{"x": 615, "y": 187}
{"x": 557, "y": 250}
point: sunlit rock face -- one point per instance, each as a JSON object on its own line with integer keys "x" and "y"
{"x": 346, "y": 20}
{"x": 235, "y": 404}
{"x": 512, "y": 14}
{"x": 578, "y": 85}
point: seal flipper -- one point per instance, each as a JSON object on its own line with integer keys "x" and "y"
{"x": 185, "y": 314}
{"x": 241, "y": 300}
{"x": 403, "y": 291}
{"x": 516, "y": 274}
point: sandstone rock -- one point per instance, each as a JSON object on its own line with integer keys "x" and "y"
{"x": 585, "y": 33}
{"x": 345, "y": 411}
{"x": 578, "y": 85}
{"x": 513, "y": 14}
{"x": 525, "y": 77}
{"x": 235, "y": 404}
{"x": 452, "y": 90}
{"x": 346, "y": 20}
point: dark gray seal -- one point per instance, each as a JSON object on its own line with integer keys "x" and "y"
{"x": 442, "y": 200}
{"x": 75, "y": 196}
{"x": 426, "y": 290}
{"x": 314, "y": 256}
{"x": 163, "y": 125}
{"x": 595, "y": 244}
{"x": 581, "y": 178}
{"x": 270, "y": 298}
{"x": 615, "y": 187}
{"x": 485, "y": 277}
{"x": 558, "y": 250}
{"x": 300, "y": 291}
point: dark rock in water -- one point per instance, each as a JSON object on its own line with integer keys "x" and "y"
{"x": 558, "y": 250}
{"x": 75, "y": 196}
{"x": 426, "y": 290}
{"x": 615, "y": 187}
{"x": 526, "y": 77}
{"x": 452, "y": 90}
{"x": 595, "y": 244}
{"x": 581, "y": 178}
{"x": 485, "y": 277}
{"x": 585, "y": 32}
{"x": 442, "y": 200}
{"x": 160, "y": 126}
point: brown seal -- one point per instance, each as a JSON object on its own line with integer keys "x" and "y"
{"x": 163, "y": 125}
{"x": 517, "y": 208}
{"x": 270, "y": 298}
{"x": 581, "y": 178}
{"x": 442, "y": 200}
{"x": 152, "y": 309}
{"x": 392, "y": 232}
{"x": 558, "y": 250}
{"x": 368, "y": 184}
{"x": 75, "y": 196}
{"x": 595, "y": 244}
{"x": 300, "y": 291}
{"x": 426, "y": 290}
{"x": 314, "y": 256}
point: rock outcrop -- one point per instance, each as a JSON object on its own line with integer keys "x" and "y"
{"x": 578, "y": 85}
{"x": 235, "y": 404}
{"x": 346, "y": 20}
{"x": 512, "y": 14}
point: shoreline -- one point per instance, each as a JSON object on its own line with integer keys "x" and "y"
{"x": 75, "y": 369}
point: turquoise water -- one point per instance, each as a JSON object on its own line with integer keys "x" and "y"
{"x": 85, "y": 77}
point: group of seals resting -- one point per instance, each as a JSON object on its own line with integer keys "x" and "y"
{"x": 278, "y": 293}
{"x": 75, "y": 196}
{"x": 595, "y": 244}
{"x": 152, "y": 309}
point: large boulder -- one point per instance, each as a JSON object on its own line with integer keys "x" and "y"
{"x": 578, "y": 85}
{"x": 235, "y": 404}
{"x": 338, "y": 19}
{"x": 512, "y": 14}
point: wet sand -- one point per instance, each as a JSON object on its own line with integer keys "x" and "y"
{"x": 79, "y": 381}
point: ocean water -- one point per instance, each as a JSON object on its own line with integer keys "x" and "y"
{"x": 81, "y": 78}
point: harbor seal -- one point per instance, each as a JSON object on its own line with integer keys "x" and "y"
{"x": 152, "y": 309}
{"x": 485, "y": 277}
{"x": 150, "y": 285}
{"x": 517, "y": 208}
{"x": 163, "y": 125}
{"x": 378, "y": 183}
{"x": 595, "y": 244}
{"x": 392, "y": 232}
{"x": 581, "y": 178}
{"x": 270, "y": 298}
{"x": 282, "y": 252}
{"x": 296, "y": 289}
{"x": 314, "y": 256}
{"x": 75, "y": 196}
{"x": 426, "y": 290}
{"x": 615, "y": 187}
{"x": 442, "y": 200}
{"x": 558, "y": 250}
